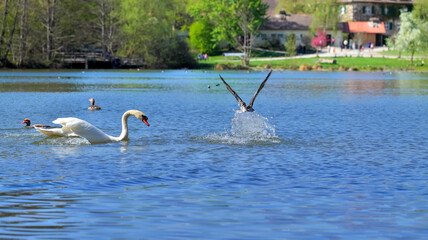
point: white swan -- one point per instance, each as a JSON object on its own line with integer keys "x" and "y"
{"x": 82, "y": 128}
{"x": 56, "y": 132}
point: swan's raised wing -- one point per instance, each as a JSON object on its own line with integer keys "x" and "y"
{"x": 258, "y": 90}
{"x": 240, "y": 102}
{"x": 83, "y": 129}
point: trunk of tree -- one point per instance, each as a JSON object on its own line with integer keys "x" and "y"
{"x": 23, "y": 34}
{"x": 245, "y": 43}
{"x": 411, "y": 58}
{"x": 3, "y": 30}
{"x": 245, "y": 30}
{"x": 110, "y": 32}
{"x": 4, "y": 60}
{"x": 50, "y": 24}
{"x": 103, "y": 26}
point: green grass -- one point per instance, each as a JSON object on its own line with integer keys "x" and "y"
{"x": 342, "y": 64}
{"x": 419, "y": 54}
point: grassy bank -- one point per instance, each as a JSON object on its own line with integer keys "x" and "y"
{"x": 308, "y": 64}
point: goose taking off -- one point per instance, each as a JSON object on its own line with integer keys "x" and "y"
{"x": 28, "y": 124}
{"x": 93, "y": 106}
{"x": 83, "y": 129}
{"x": 242, "y": 105}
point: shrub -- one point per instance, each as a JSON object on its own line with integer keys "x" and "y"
{"x": 317, "y": 66}
{"x": 305, "y": 67}
{"x": 290, "y": 45}
{"x": 342, "y": 68}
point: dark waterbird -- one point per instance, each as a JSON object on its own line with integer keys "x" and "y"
{"x": 93, "y": 106}
{"x": 28, "y": 124}
{"x": 242, "y": 104}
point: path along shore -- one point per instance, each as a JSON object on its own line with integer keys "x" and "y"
{"x": 337, "y": 52}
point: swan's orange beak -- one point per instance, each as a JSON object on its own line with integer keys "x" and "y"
{"x": 145, "y": 121}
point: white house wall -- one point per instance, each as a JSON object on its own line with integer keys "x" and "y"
{"x": 266, "y": 36}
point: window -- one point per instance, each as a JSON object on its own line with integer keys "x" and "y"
{"x": 343, "y": 10}
{"x": 368, "y": 11}
{"x": 364, "y": 9}
{"x": 373, "y": 10}
{"x": 273, "y": 35}
{"x": 388, "y": 26}
{"x": 280, "y": 35}
{"x": 263, "y": 36}
{"x": 384, "y": 10}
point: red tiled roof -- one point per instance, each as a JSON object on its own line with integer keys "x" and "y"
{"x": 364, "y": 27}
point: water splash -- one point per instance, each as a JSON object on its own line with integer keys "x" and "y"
{"x": 63, "y": 141}
{"x": 247, "y": 128}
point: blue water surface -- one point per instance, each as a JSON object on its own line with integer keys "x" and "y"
{"x": 326, "y": 155}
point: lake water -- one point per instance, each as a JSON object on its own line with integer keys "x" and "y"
{"x": 326, "y": 155}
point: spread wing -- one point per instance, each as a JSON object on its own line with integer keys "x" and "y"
{"x": 240, "y": 102}
{"x": 258, "y": 90}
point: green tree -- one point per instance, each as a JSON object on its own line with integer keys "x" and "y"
{"x": 325, "y": 14}
{"x": 148, "y": 31}
{"x": 421, "y": 9}
{"x": 235, "y": 21}
{"x": 411, "y": 34}
{"x": 290, "y": 45}
{"x": 200, "y": 37}
{"x": 291, "y": 6}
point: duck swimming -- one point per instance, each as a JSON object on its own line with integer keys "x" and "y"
{"x": 28, "y": 124}
{"x": 93, "y": 106}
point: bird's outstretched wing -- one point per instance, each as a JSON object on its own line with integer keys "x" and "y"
{"x": 240, "y": 102}
{"x": 258, "y": 90}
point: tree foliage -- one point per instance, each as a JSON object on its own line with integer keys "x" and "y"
{"x": 290, "y": 45}
{"x": 421, "y": 9}
{"x": 324, "y": 12}
{"x": 234, "y": 21}
{"x": 201, "y": 39}
{"x": 291, "y": 6}
{"x": 320, "y": 41}
{"x": 412, "y": 34}
{"x": 37, "y": 32}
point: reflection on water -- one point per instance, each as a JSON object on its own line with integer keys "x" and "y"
{"x": 68, "y": 87}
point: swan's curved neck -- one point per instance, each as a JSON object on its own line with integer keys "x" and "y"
{"x": 124, "y": 133}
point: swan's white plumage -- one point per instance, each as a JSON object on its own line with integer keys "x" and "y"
{"x": 82, "y": 128}
{"x": 57, "y": 132}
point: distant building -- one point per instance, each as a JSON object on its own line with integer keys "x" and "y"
{"x": 278, "y": 27}
{"x": 362, "y": 21}
{"x": 367, "y": 17}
